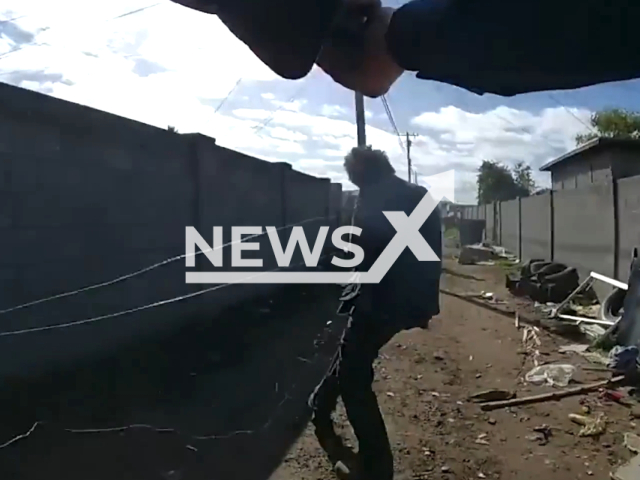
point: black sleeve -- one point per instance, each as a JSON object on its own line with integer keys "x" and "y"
{"x": 509, "y": 47}
{"x": 286, "y": 35}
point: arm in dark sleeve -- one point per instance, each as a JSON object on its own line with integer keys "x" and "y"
{"x": 286, "y": 35}
{"x": 509, "y": 47}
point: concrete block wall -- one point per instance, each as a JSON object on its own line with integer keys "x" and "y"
{"x": 628, "y": 206}
{"x": 510, "y": 225}
{"x": 87, "y": 197}
{"x": 584, "y": 228}
{"x": 536, "y": 240}
{"x": 307, "y": 206}
{"x": 593, "y": 228}
{"x": 335, "y": 204}
{"x": 490, "y": 225}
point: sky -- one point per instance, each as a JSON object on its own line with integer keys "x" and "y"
{"x": 168, "y": 65}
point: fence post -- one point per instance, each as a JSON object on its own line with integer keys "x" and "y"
{"x": 552, "y": 227}
{"x": 616, "y": 231}
{"x": 519, "y": 227}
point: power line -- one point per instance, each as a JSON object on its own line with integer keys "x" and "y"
{"x": 9, "y": 20}
{"x": 571, "y": 113}
{"x": 228, "y": 95}
{"x": 268, "y": 120}
{"x": 394, "y": 126}
{"x": 22, "y": 46}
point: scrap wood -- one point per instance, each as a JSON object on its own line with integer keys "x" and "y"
{"x": 491, "y": 395}
{"x": 545, "y": 397}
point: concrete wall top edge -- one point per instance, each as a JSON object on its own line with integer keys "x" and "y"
{"x": 79, "y": 120}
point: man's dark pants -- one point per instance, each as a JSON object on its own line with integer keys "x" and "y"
{"x": 351, "y": 377}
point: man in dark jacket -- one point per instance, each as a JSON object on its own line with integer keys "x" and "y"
{"x": 406, "y": 298}
{"x": 490, "y": 46}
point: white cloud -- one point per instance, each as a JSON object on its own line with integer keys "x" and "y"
{"x": 503, "y": 134}
{"x": 333, "y": 111}
{"x": 169, "y": 65}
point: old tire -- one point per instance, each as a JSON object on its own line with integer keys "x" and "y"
{"x": 611, "y": 308}
{"x": 551, "y": 269}
{"x": 527, "y": 269}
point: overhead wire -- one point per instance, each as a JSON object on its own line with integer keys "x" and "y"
{"x": 270, "y": 118}
{"x": 9, "y": 20}
{"x": 33, "y": 43}
{"x": 228, "y": 95}
{"x": 553, "y": 97}
{"x": 392, "y": 121}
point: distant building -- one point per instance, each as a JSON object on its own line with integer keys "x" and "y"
{"x": 598, "y": 161}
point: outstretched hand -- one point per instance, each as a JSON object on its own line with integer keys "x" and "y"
{"x": 366, "y": 67}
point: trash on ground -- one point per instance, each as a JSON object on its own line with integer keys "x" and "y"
{"x": 617, "y": 396}
{"x": 589, "y": 311}
{"x": 595, "y": 357}
{"x": 556, "y": 375}
{"x": 575, "y": 348}
{"x": 541, "y": 435}
{"x": 628, "y": 471}
{"x": 491, "y": 395}
{"x": 552, "y": 396}
{"x": 632, "y": 442}
{"x": 531, "y": 343}
{"x": 581, "y": 320}
{"x": 591, "y": 426}
{"x": 483, "y": 254}
{"x": 591, "y": 330}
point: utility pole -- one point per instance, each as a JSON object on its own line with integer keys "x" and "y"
{"x": 409, "y": 167}
{"x": 360, "y": 124}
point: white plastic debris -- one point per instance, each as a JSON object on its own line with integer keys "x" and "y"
{"x": 556, "y": 375}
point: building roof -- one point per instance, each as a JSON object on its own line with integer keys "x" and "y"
{"x": 590, "y": 145}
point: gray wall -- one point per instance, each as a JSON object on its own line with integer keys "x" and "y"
{"x": 490, "y": 223}
{"x": 510, "y": 225}
{"x": 593, "y": 227}
{"x": 584, "y": 228}
{"x": 591, "y": 167}
{"x": 628, "y": 204}
{"x": 86, "y": 197}
{"x": 536, "y": 227}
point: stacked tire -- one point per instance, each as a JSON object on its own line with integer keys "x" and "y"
{"x": 545, "y": 281}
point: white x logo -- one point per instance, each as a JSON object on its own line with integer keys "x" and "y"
{"x": 407, "y": 235}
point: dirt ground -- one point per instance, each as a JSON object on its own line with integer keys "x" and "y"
{"x": 423, "y": 382}
{"x": 238, "y": 403}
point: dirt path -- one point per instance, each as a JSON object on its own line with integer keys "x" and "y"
{"x": 423, "y": 382}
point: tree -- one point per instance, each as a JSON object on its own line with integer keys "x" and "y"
{"x": 612, "y": 123}
{"x": 523, "y": 176}
{"x": 498, "y": 183}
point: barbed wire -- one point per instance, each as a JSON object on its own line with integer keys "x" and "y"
{"x": 149, "y": 268}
